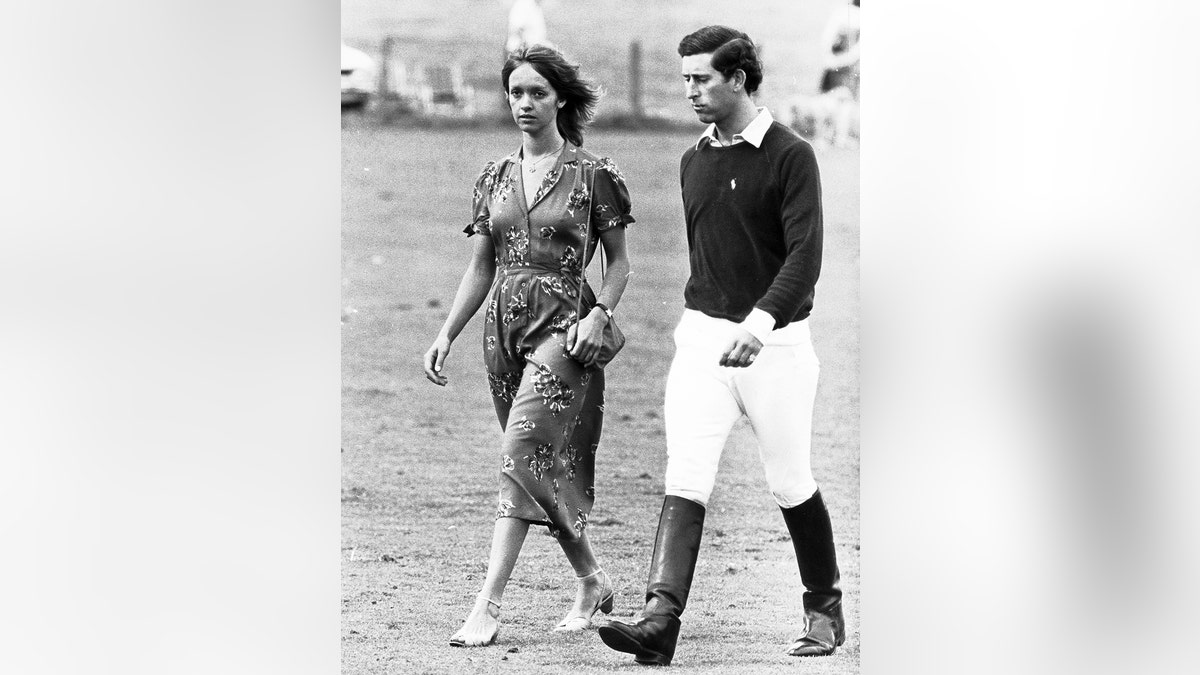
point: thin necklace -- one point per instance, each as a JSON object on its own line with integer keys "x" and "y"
{"x": 532, "y": 167}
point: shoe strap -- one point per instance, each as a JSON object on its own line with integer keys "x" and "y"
{"x": 490, "y": 601}
{"x": 589, "y": 576}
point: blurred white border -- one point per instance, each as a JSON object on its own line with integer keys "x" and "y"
{"x": 169, "y": 392}
{"x": 170, "y": 389}
{"x": 1029, "y": 265}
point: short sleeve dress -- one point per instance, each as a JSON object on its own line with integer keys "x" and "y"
{"x": 550, "y": 407}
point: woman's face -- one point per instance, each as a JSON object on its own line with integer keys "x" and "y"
{"x": 533, "y": 102}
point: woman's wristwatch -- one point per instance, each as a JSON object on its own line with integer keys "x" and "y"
{"x": 604, "y": 308}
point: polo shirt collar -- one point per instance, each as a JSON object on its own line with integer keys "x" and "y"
{"x": 752, "y": 134}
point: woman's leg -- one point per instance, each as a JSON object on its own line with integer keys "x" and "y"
{"x": 595, "y": 590}
{"x": 594, "y": 587}
{"x": 579, "y": 554}
{"x": 483, "y": 623}
{"x": 540, "y": 460}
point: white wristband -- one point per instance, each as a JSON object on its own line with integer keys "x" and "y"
{"x": 759, "y": 324}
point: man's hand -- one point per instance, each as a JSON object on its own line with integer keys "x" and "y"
{"x": 742, "y": 350}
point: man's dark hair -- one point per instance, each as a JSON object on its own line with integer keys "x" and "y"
{"x": 732, "y": 50}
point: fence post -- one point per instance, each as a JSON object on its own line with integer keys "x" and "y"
{"x": 635, "y": 80}
{"x": 383, "y": 93}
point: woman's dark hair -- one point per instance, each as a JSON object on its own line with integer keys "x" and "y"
{"x": 732, "y": 50}
{"x": 579, "y": 96}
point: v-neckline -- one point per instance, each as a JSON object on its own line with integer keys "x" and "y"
{"x": 539, "y": 196}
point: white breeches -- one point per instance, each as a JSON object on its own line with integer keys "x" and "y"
{"x": 704, "y": 400}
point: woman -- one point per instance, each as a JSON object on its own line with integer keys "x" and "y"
{"x": 532, "y": 210}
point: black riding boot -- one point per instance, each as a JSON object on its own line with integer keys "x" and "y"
{"x": 652, "y": 639}
{"x": 812, "y": 537}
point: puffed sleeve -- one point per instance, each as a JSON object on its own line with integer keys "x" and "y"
{"x": 481, "y": 219}
{"x": 610, "y": 203}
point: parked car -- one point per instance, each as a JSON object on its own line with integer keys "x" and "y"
{"x": 358, "y": 77}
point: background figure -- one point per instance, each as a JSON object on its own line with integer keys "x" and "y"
{"x": 526, "y": 25}
{"x": 839, "y": 81}
{"x": 839, "y": 46}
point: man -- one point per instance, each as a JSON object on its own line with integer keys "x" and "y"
{"x": 839, "y": 44}
{"x": 752, "y": 202}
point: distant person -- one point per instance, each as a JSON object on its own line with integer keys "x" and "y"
{"x": 839, "y": 46}
{"x": 526, "y": 25}
{"x": 532, "y": 210}
{"x": 752, "y": 206}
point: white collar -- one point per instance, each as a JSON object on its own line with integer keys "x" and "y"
{"x": 752, "y": 134}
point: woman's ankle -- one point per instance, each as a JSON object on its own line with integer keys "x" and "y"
{"x": 596, "y": 581}
{"x": 597, "y": 575}
{"x": 487, "y": 603}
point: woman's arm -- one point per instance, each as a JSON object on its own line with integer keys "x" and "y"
{"x": 590, "y": 329}
{"x": 470, "y": 295}
{"x": 616, "y": 272}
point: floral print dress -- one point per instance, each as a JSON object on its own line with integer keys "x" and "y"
{"x": 550, "y": 407}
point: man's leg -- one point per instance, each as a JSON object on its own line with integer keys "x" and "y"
{"x": 699, "y": 412}
{"x": 778, "y": 392}
{"x": 812, "y": 537}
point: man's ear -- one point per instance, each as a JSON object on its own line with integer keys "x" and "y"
{"x": 739, "y": 79}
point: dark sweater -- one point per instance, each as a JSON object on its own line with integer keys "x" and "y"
{"x": 753, "y": 227}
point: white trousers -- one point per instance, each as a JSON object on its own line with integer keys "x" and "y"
{"x": 704, "y": 400}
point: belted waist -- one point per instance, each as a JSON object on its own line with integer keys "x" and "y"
{"x": 551, "y": 268}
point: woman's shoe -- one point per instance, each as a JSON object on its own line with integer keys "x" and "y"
{"x": 575, "y": 621}
{"x": 460, "y": 640}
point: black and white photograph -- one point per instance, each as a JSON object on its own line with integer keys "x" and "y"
{"x": 381, "y": 337}
{"x": 600, "y": 336}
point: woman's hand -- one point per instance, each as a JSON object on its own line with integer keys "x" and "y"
{"x": 585, "y": 338}
{"x": 434, "y": 358}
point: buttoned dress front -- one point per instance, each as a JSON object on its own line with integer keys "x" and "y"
{"x": 550, "y": 407}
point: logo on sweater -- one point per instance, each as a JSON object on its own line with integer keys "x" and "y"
{"x": 733, "y": 184}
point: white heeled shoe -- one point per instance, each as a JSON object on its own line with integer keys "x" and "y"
{"x": 458, "y": 640}
{"x": 575, "y": 622}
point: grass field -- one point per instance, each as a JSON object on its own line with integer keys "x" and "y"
{"x": 419, "y": 476}
{"x": 471, "y": 33}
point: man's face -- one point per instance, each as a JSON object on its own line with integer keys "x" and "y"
{"x": 713, "y": 96}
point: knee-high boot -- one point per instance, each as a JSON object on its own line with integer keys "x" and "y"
{"x": 812, "y": 537}
{"x": 652, "y": 639}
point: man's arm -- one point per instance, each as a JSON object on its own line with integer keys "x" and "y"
{"x": 800, "y": 210}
